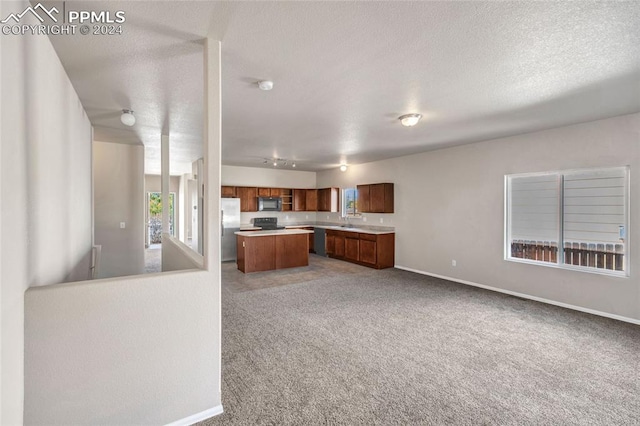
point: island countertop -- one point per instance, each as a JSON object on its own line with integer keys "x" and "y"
{"x": 273, "y": 232}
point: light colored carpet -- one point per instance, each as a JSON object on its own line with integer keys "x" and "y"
{"x": 392, "y": 347}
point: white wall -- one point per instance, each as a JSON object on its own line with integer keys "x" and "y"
{"x": 449, "y": 204}
{"x": 118, "y": 173}
{"x": 270, "y": 178}
{"x": 45, "y": 191}
{"x": 135, "y": 350}
{"x": 177, "y": 256}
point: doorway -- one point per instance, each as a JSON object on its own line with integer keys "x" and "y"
{"x": 154, "y": 217}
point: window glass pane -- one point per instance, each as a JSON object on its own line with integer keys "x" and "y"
{"x": 534, "y": 217}
{"x": 350, "y": 201}
{"x": 595, "y": 218}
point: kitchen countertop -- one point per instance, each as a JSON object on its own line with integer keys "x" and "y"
{"x": 361, "y": 230}
{"x": 355, "y": 229}
{"x": 273, "y": 232}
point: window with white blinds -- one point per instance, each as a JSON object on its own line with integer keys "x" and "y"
{"x": 575, "y": 219}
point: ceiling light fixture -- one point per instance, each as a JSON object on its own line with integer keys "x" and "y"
{"x": 277, "y": 161}
{"x": 343, "y": 167}
{"x": 409, "y": 120}
{"x": 265, "y": 85}
{"x": 127, "y": 117}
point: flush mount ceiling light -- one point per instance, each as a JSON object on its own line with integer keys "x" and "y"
{"x": 343, "y": 167}
{"x": 127, "y": 117}
{"x": 409, "y": 120}
{"x": 265, "y": 85}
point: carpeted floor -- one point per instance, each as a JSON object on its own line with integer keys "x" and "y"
{"x": 392, "y": 347}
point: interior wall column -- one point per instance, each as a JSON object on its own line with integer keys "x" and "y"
{"x": 165, "y": 181}
{"x": 212, "y": 156}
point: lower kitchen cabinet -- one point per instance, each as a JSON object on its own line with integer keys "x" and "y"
{"x": 352, "y": 247}
{"x": 368, "y": 251}
{"x": 373, "y": 250}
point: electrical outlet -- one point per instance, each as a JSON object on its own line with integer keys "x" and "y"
{"x": 381, "y": 220}
{"x": 454, "y": 263}
{"x": 306, "y": 216}
{"x": 327, "y": 216}
{"x": 123, "y": 225}
{"x": 364, "y": 219}
{"x": 286, "y": 217}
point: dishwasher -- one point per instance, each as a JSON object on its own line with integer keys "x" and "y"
{"x": 318, "y": 241}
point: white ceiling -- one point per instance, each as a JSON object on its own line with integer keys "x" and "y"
{"x": 344, "y": 72}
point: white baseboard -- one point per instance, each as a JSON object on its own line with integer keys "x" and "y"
{"x": 198, "y": 417}
{"x": 524, "y": 296}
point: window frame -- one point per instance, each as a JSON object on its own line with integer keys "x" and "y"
{"x": 343, "y": 204}
{"x": 561, "y": 198}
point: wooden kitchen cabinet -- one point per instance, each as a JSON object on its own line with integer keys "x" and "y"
{"x": 329, "y": 243}
{"x": 363, "y": 198}
{"x": 329, "y": 200}
{"x": 311, "y": 200}
{"x": 311, "y": 239}
{"x": 299, "y": 200}
{"x": 373, "y": 250}
{"x": 376, "y": 198}
{"x": 268, "y": 252}
{"x": 269, "y": 192}
{"x": 351, "y": 246}
{"x": 228, "y": 191}
{"x": 338, "y": 248}
{"x": 248, "y": 198}
{"x": 368, "y": 249}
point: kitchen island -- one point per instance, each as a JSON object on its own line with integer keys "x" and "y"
{"x": 269, "y": 250}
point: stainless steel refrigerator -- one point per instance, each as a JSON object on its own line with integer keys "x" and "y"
{"x": 230, "y": 223}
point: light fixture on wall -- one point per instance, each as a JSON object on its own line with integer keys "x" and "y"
{"x": 127, "y": 117}
{"x": 343, "y": 167}
{"x": 409, "y": 120}
{"x": 265, "y": 85}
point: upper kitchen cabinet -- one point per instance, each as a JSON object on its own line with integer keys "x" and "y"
{"x": 228, "y": 192}
{"x": 299, "y": 200}
{"x": 269, "y": 192}
{"x": 311, "y": 200}
{"x": 328, "y": 200}
{"x": 375, "y": 198}
{"x": 248, "y": 198}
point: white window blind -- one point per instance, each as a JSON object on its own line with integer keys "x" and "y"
{"x": 576, "y": 218}
{"x": 535, "y": 208}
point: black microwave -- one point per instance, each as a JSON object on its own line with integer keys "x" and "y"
{"x": 269, "y": 204}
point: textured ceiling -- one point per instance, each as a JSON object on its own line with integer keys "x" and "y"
{"x": 344, "y": 72}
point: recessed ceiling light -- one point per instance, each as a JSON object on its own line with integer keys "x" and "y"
{"x": 293, "y": 165}
{"x": 127, "y": 117}
{"x": 343, "y": 167}
{"x": 275, "y": 164}
{"x": 265, "y": 85}
{"x": 409, "y": 120}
